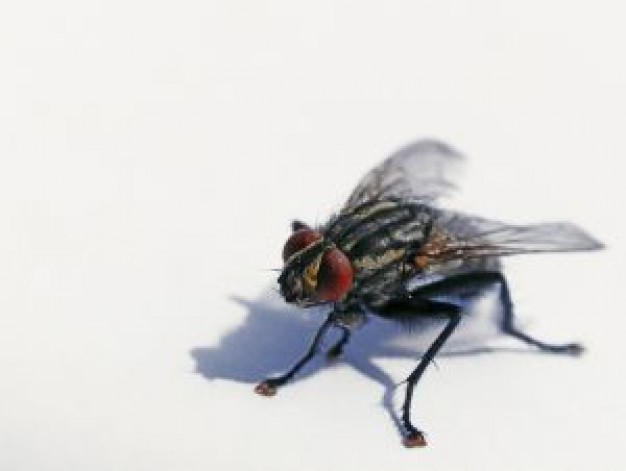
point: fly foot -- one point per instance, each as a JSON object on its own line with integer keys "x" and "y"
{"x": 414, "y": 440}
{"x": 267, "y": 388}
{"x": 574, "y": 349}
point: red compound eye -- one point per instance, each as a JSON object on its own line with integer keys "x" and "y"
{"x": 298, "y": 240}
{"x": 334, "y": 277}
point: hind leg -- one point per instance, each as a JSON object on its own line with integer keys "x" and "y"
{"x": 508, "y": 326}
{"x": 474, "y": 283}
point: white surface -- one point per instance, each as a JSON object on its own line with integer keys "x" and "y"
{"x": 151, "y": 157}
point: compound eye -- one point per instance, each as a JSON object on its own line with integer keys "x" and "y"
{"x": 334, "y": 277}
{"x": 299, "y": 240}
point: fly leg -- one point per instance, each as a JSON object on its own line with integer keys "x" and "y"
{"x": 508, "y": 325}
{"x": 473, "y": 283}
{"x": 270, "y": 385}
{"x": 336, "y": 350}
{"x": 419, "y": 303}
{"x": 414, "y": 436}
{"x": 413, "y": 307}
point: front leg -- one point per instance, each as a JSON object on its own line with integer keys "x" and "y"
{"x": 270, "y": 385}
{"x": 336, "y": 350}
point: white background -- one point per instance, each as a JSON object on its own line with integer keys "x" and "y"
{"x": 152, "y": 155}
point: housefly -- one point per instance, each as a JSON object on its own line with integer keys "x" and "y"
{"x": 392, "y": 252}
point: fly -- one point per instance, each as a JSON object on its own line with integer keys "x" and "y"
{"x": 392, "y": 252}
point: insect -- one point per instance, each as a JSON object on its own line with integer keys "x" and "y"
{"x": 392, "y": 252}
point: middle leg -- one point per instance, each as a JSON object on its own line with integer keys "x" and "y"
{"x": 412, "y": 307}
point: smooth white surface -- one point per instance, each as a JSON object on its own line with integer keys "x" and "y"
{"x": 151, "y": 157}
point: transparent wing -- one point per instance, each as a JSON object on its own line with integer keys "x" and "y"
{"x": 421, "y": 171}
{"x": 458, "y": 236}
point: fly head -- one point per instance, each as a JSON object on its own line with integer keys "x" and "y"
{"x": 315, "y": 270}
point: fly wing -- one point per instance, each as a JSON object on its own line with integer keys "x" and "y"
{"x": 421, "y": 171}
{"x": 460, "y": 237}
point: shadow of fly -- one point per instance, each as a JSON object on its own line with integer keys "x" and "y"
{"x": 392, "y": 252}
